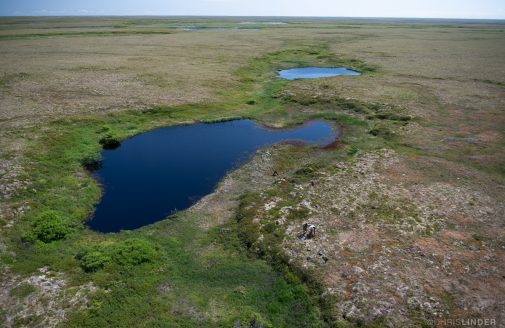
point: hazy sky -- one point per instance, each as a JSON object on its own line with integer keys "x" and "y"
{"x": 349, "y": 8}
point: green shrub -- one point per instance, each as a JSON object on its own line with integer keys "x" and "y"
{"x": 109, "y": 142}
{"x": 92, "y": 162}
{"x": 50, "y": 226}
{"x": 126, "y": 253}
{"x": 93, "y": 260}
{"x": 133, "y": 251}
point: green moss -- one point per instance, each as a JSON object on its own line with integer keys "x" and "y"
{"x": 22, "y": 290}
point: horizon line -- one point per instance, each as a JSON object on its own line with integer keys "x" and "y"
{"x": 252, "y": 16}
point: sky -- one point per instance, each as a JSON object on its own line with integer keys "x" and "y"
{"x": 492, "y": 9}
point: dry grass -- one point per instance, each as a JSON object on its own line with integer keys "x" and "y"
{"x": 69, "y": 76}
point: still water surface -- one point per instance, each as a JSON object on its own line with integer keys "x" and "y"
{"x": 157, "y": 173}
{"x": 314, "y": 72}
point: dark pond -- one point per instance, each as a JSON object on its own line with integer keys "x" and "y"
{"x": 157, "y": 173}
{"x": 314, "y": 72}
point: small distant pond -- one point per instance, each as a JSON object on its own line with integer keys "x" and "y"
{"x": 217, "y": 29}
{"x": 314, "y": 72}
{"x": 157, "y": 173}
{"x": 263, "y": 23}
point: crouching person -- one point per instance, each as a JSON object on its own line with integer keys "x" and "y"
{"x": 309, "y": 231}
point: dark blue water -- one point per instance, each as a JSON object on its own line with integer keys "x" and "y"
{"x": 314, "y": 72}
{"x": 156, "y": 173}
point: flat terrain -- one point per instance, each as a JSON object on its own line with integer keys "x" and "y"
{"x": 409, "y": 204}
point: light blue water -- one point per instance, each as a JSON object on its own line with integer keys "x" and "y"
{"x": 314, "y": 72}
{"x": 217, "y": 29}
{"x": 263, "y": 23}
{"x": 166, "y": 170}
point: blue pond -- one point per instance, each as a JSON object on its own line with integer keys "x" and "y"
{"x": 157, "y": 173}
{"x": 314, "y": 72}
{"x": 217, "y": 29}
{"x": 263, "y": 23}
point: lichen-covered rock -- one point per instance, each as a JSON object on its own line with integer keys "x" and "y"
{"x": 388, "y": 248}
{"x": 42, "y": 299}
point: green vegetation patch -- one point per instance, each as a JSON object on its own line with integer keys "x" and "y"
{"x": 49, "y": 227}
{"x": 126, "y": 253}
{"x": 22, "y": 290}
{"x": 110, "y": 141}
{"x": 175, "y": 271}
